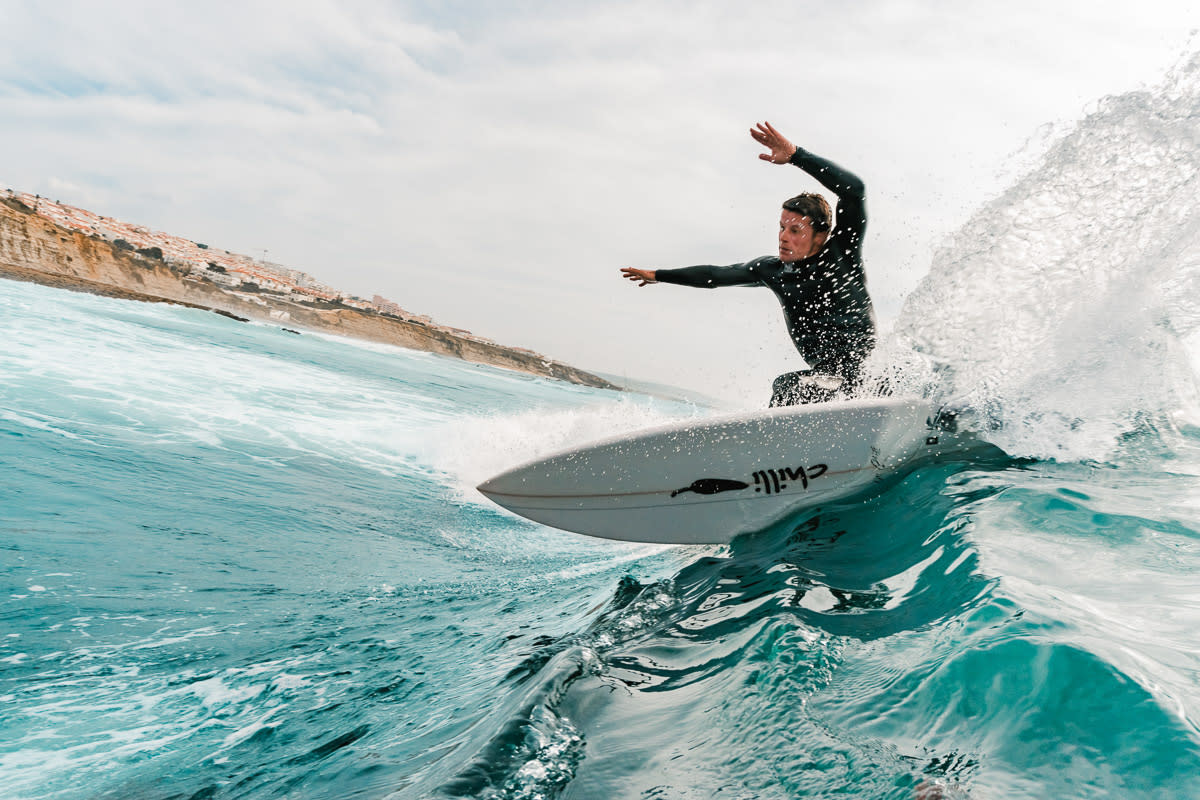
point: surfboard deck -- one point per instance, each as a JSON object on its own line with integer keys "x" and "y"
{"x": 708, "y": 481}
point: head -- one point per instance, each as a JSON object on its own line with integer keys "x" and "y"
{"x": 803, "y": 226}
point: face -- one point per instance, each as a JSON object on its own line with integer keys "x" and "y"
{"x": 797, "y": 240}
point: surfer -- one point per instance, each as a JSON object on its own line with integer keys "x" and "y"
{"x": 818, "y": 276}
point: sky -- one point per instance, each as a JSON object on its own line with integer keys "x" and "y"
{"x": 493, "y": 164}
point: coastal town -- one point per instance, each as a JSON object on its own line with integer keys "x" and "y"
{"x": 59, "y": 245}
{"x": 231, "y": 271}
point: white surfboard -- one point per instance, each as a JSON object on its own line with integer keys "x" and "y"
{"x": 707, "y": 481}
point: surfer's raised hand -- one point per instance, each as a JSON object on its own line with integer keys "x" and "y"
{"x": 645, "y": 276}
{"x": 781, "y": 149}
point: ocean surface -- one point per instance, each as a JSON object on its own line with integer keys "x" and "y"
{"x": 240, "y": 563}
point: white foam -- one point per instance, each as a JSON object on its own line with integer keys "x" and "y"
{"x": 1068, "y": 308}
{"x": 288, "y": 681}
{"x": 245, "y": 732}
{"x": 471, "y": 449}
{"x": 162, "y": 377}
{"x": 214, "y": 693}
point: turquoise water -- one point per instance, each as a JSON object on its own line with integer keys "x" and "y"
{"x": 228, "y": 548}
{"x": 243, "y": 563}
{"x": 240, "y": 563}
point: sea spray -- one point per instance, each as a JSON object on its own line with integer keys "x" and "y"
{"x": 470, "y": 449}
{"x": 1063, "y": 310}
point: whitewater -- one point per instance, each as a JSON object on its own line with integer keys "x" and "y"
{"x": 241, "y": 563}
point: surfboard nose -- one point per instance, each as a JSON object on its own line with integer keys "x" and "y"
{"x": 508, "y": 490}
{"x": 506, "y": 482}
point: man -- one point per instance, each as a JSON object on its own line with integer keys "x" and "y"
{"x": 817, "y": 277}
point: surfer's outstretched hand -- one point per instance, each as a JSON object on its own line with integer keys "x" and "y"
{"x": 781, "y": 149}
{"x": 643, "y": 276}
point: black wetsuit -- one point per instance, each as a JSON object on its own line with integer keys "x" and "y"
{"x": 824, "y": 296}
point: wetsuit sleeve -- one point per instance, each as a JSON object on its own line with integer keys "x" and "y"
{"x": 706, "y": 277}
{"x": 851, "y": 209}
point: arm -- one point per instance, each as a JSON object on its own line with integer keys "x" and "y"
{"x": 701, "y": 277}
{"x": 851, "y": 208}
{"x": 849, "y": 188}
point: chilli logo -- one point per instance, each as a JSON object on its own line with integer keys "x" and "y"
{"x": 771, "y": 481}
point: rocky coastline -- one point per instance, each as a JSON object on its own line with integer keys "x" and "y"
{"x": 38, "y": 249}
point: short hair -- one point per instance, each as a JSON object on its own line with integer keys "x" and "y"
{"x": 813, "y": 206}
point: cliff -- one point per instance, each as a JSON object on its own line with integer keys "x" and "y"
{"x": 34, "y": 248}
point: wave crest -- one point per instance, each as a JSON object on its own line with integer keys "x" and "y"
{"x": 1068, "y": 308}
